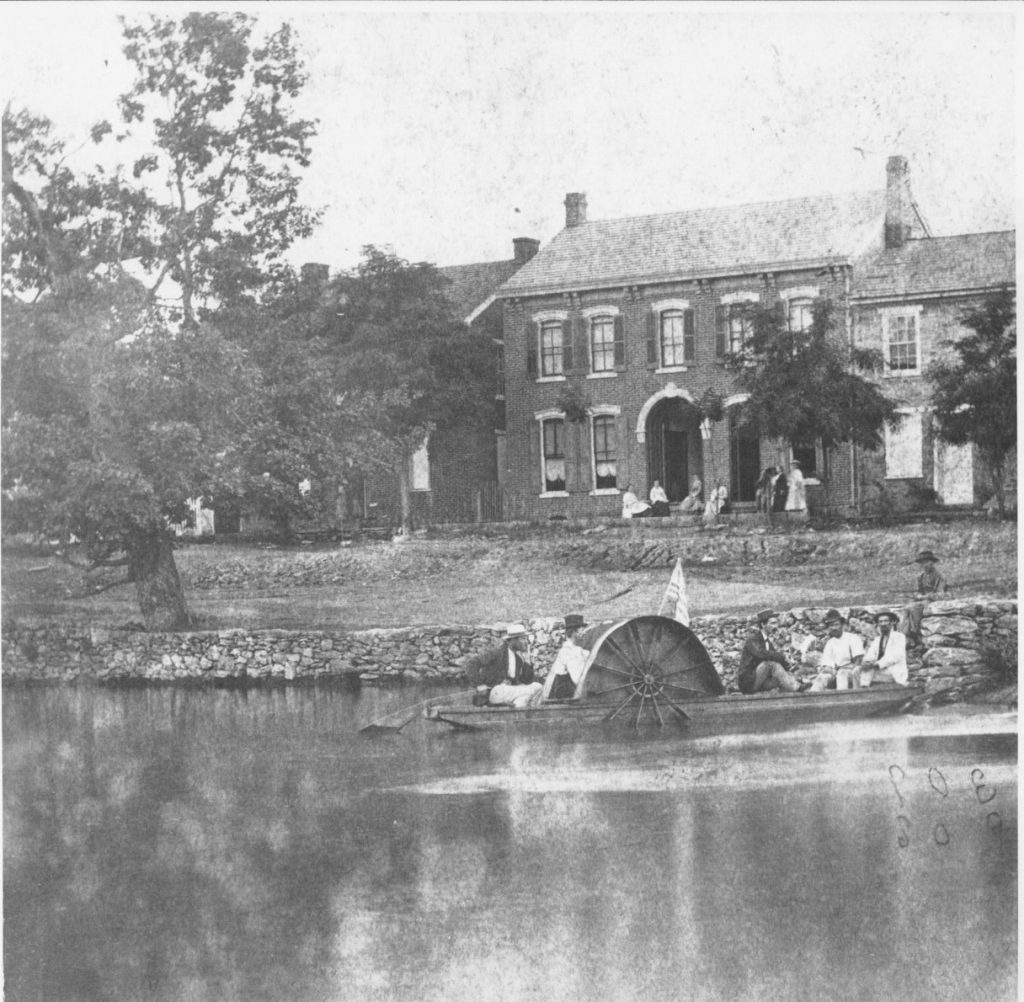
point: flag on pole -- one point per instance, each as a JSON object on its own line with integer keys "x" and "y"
{"x": 675, "y": 595}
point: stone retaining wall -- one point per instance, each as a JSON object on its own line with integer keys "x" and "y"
{"x": 965, "y": 640}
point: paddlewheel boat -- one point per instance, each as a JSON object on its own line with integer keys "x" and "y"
{"x": 651, "y": 671}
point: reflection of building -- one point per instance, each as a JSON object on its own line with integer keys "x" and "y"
{"x": 616, "y": 330}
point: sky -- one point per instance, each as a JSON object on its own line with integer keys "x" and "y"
{"x": 447, "y": 130}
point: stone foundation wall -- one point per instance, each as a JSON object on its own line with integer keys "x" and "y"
{"x": 965, "y": 641}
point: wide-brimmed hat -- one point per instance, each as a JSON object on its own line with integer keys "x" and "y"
{"x": 833, "y": 616}
{"x": 574, "y": 621}
{"x": 924, "y": 556}
{"x": 765, "y": 614}
{"x": 886, "y": 612}
{"x": 515, "y": 630}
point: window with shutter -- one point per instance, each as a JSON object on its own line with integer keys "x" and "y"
{"x": 551, "y": 349}
{"x": 620, "y": 343}
{"x": 602, "y": 344}
{"x": 653, "y": 319}
{"x": 605, "y": 452}
{"x": 673, "y": 338}
{"x": 553, "y": 452}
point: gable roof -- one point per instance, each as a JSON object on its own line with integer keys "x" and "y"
{"x": 963, "y": 263}
{"x": 473, "y": 284}
{"x": 700, "y": 242}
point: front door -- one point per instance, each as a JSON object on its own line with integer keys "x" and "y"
{"x": 674, "y": 446}
{"x": 744, "y": 459}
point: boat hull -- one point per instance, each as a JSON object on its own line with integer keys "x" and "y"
{"x": 719, "y": 714}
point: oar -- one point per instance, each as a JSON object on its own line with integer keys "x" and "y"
{"x": 378, "y": 727}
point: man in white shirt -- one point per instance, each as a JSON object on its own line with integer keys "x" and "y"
{"x": 571, "y": 661}
{"x": 886, "y": 657}
{"x": 840, "y": 661}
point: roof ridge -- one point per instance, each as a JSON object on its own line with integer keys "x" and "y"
{"x": 736, "y": 205}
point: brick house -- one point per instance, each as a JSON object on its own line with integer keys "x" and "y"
{"x": 616, "y": 329}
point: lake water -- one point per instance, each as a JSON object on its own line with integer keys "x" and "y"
{"x": 224, "y": 845}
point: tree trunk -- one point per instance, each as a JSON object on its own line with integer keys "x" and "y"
{"x": 157, "y": 584}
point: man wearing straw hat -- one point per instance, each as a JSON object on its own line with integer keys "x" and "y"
{"x": 507, "y": 672}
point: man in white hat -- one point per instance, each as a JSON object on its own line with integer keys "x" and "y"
{"x": 507, "y": 672}
{"x": 886, "y": 657}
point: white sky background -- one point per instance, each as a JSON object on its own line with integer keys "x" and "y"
{"x": 445, "y": 131}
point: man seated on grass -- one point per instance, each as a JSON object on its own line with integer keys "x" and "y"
{"x": 506, "y": 672}
{"x": 762, "y": 666}
{"x": 840, "y": 661}
{"x": 886, "y": 657}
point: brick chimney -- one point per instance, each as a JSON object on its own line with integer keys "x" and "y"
{"x": 899, "y": 210}
{"x": 524, "y": 248}
{"x": 575, "y": 208}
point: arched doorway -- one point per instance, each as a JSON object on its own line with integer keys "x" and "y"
{"x": 674, "y": 449}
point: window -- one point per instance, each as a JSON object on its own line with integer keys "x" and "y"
{"x": 902, "y": 347}
{"x": 904, "y": 452}
{"x": 602, "y": 344}
{"x": 801, "y": 314}
{"x": 551, "y": 348}
{"x": 733, "y": 322}
{"x": 678, "y": 343}
{"x": 605, "y": 452}
{"x": 553, "y": 451}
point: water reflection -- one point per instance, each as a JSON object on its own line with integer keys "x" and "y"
{"x": 170, "y": 844}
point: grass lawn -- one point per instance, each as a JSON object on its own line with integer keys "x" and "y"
{"x": 473, "y": 580}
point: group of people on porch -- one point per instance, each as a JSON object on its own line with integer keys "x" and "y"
{"x": 775, "y": 491}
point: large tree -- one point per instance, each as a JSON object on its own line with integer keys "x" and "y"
{"x": 810, "y": 385}
{"x": 974, "y": 392}
{"x": 115, "y": 412}
{"x": 404, "y": 354}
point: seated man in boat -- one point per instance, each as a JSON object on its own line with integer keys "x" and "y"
{"x": 567, "y": 670}
{"x": 763, "y": 667}
{"x": 886, "y": 657}
{"x": 507, "y": 673}
{"x": 841, "y": 659}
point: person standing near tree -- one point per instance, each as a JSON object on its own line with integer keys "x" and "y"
{"x": 796, "y": 494}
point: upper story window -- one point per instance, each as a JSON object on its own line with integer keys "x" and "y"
{"x": 671, "y": 336}
{"x": 551, "y": 347}
{"x": 605, "y": 452}
{"x": 801, "y": 314}
{"x": 602, "y": 344}
{"x": 678, "y": 341}
{"x": 733, "y": 322}
{"x": 901, "y": 336}
{"x": 553, "y": 446}
{"x": 799, "y": 306}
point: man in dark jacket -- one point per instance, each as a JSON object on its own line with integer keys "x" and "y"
{"x": 506, "y": 672}
{"x": 762, "y": 666}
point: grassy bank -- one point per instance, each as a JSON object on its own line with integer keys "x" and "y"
{"x": 602, "y": 573}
